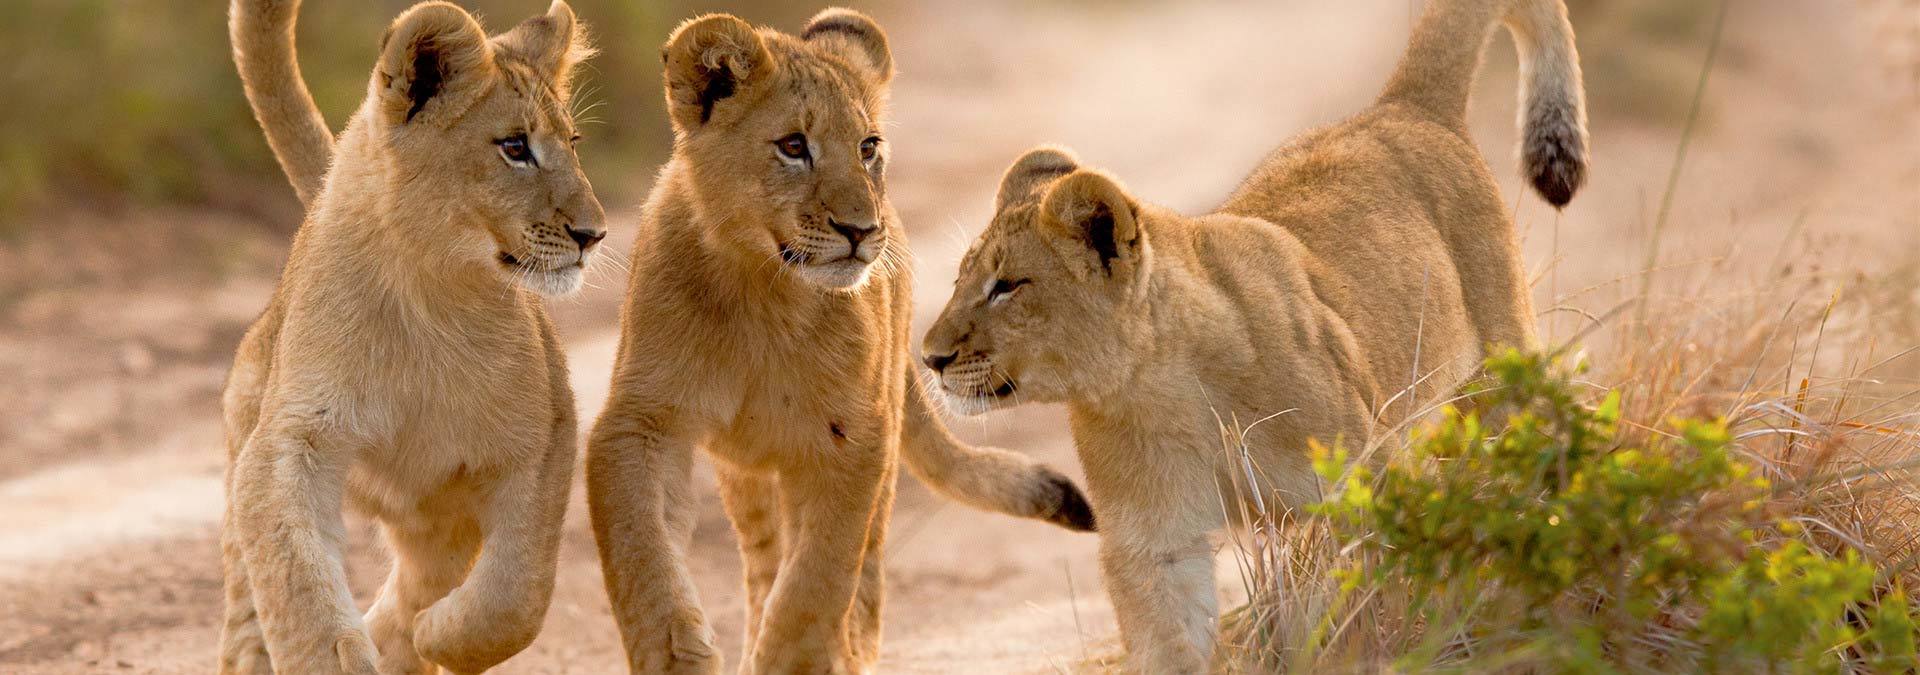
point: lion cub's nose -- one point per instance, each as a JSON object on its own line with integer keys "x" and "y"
{"x": 854, "y": 233}
{"x": 939, "y": 362}
{"x": 585, "y": 238}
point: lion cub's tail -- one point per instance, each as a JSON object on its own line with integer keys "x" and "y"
{"x": 262, "y": 34}
{"x": 987, "y": 478}
{"x": 1437, "y": 73}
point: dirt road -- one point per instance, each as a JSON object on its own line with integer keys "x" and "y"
{"x": 108, "y": 561}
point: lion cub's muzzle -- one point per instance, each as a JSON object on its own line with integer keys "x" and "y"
{"x": 839, "y": 257}
{"x": 585, "y": 237}
{"x": 856, "y": 234}
{"x": 971, "y": 384}
{"x": 553, "y": 260}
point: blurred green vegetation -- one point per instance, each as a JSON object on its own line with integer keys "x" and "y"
{"x": 123, "y": 104}
{"x": 117, "y": 104}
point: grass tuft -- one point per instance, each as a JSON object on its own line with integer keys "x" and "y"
{"x": 1731, "y": 491}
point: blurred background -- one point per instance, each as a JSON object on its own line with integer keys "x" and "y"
{"x": 143, "y": 222}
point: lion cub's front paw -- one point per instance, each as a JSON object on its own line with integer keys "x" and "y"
{"x": 790, "y": 661}
{"x": 686, "y": 650}
{"x": 392, "y": 633}
{"x": 467, "y": 636}
{"x": 669, "y": 663}
{"x": 356, "y": 654}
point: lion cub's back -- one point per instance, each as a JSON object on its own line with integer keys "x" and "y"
{"x": 1379, "y": 202}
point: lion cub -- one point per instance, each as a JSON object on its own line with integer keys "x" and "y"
{"x": 404, "y": 364}
{"x": 766, "y": 323}
{"x": 1353, "y": 263}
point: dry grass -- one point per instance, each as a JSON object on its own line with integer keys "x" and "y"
{"x": 1815, "y": 401}
{"x": 1814, "y": 377}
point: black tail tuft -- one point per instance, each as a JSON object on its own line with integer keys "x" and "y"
{"x": 1556, "y": 173}
{"x": 1554, "y": 153}
{"x": 1070, "y": 507}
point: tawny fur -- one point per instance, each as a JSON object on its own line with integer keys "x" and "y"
{"x": 766, "y": 321}
{"x": 1359, "y": 273}
{"x": 403, "y": 365}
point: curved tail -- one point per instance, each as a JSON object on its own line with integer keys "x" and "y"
{"x": 990, "y": 479}
{"x": 1437, "y": 72}
{"x": 262, "y": 34}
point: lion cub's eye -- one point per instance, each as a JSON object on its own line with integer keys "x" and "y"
{"x": 516, "y": 149}
{"x": 1003, "y": 288}
{"x": 793, "y": 145}
{"x": 869, "y": 148}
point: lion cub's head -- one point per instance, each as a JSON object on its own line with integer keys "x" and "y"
{"x": 1048, "y": 304}
{"x": 476, "y": 137}
{"x": 781, "y": 137}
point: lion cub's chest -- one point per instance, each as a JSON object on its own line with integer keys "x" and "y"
{"x": 832, "y": 386}
{"x": 453, "y": 413}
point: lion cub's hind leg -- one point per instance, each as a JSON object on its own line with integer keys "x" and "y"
{"x": 1493, "y": 279}
{"x": 243, "y": 648}
{"x": 753, "y": 505}
{"x": 870, "y": 597}
{"x": 430, "y": 558}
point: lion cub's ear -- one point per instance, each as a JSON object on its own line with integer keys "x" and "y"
{"x": 856, "y": 37}
{"x": 1095, "y": 217}
{"x": 434, "y": 62}
{"x": 1031, "y": 172}
{"x": 708, "y": 60}
{"x": 554, "y": 43}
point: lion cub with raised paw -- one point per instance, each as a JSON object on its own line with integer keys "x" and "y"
{"x": 404, "y": 364}
{"x": 1359, "y": 271}
{"x": 766, "y": 321}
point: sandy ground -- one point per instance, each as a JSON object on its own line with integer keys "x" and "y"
{"x": 108, "y": 561}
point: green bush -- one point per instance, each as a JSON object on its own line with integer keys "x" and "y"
{"x": 1559, "y": 540}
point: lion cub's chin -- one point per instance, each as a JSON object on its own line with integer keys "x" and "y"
{"x": 846, "y": 274}
{"x": 554, "y": 283}
{"x": 965, "y": 405}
